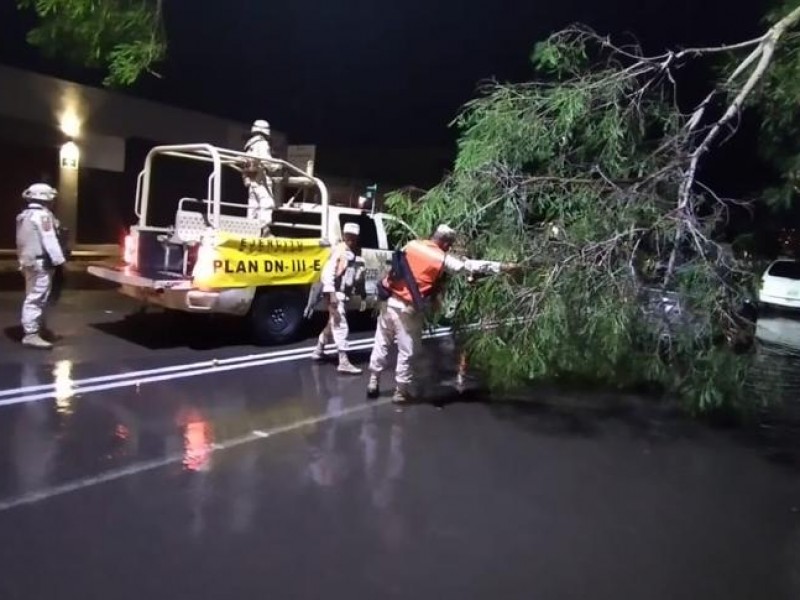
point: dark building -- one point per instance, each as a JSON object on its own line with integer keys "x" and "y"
{"x": 90, "y": 143}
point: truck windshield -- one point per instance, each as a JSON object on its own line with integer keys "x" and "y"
{"x": 368, "y": 237}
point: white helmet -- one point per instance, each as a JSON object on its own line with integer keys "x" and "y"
{"x": 260, "y": 126}
{"x": 351, "y": 228}
{"x": 445, "y": 232}
{"x": 40, "y": 192}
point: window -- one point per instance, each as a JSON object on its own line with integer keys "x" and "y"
{"x": 368, "y": 238}
{"x": 785, "y": 268}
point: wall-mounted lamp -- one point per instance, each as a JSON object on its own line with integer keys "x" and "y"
{"x": 70, "y": 124}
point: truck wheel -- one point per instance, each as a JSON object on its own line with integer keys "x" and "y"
{"x": 276, "y": 316}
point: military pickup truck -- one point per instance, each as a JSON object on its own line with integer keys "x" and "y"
{"x": 211, "y": 258}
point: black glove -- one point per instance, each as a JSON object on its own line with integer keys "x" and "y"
{"x": 62, "y": 233}
{"x": 58, "y": 284}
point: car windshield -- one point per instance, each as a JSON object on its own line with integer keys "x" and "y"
{"x": 785, "y": 268}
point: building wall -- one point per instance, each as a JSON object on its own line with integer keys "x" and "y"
{"x": 46, "y": 100}
{"x": 114, "y": 134}
{"x": 21, "y": 165}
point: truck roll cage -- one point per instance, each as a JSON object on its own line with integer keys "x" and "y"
{"x": 218, "y": 157}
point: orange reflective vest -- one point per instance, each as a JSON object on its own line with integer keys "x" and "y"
{"x": 426, "y": 261}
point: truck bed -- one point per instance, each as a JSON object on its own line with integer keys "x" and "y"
{"x": 125, "y": 275}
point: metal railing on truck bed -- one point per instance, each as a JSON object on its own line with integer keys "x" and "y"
{"x": 239, "y": 161}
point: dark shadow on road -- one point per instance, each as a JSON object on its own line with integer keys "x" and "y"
{"x": 164, "y": 330}
{"x": 13, "y": 333}
{"x": 549, "y": 411}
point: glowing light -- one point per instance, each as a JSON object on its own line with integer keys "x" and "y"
{"x": 131, "y": 249}
{"x": 70, "y": 124}
{"x": 64, "y": 387}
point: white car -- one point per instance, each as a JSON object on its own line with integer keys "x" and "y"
{"x": 780, "y": 284}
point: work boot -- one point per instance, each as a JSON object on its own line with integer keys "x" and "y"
{"x": 373, "y": 387}
{"x": 34, "y": 340}
{"x": 345, "y": 366}
{"x": 318, "y": 353}
{"x": 402, "y": 395}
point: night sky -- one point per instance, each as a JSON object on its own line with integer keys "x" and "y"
{"x": 381, "y": 73}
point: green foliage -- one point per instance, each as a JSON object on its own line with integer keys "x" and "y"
{"x": 776, "y": 102}
{"x": 559, "y": 57}
{"x": 123, "y": 37}
{"x": 577, "y": 178}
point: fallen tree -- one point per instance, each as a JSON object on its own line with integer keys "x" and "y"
{"x": 775, "y": 102}
{"x": 589, "y": 176}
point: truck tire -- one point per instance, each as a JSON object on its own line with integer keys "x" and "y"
{"x": 276, "y": 316}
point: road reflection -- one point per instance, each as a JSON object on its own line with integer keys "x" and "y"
{"x": 327, "y": 465}
{"x": 64, "y": 390}
{"x": 364, "y": 465}
{"x": 777, "y": 359}
{"x": 35, "y": 439}
{"x": 197, "y": 439}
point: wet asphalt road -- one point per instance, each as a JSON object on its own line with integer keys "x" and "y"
{"x": 274, "y": 477}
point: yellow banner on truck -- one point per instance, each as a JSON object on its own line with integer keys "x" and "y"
{"x": 231, "y": 261}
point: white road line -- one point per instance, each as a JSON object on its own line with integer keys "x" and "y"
{"x": 167, "y": 369}
{"x": 136, "y": 469}
{"x": 79, "y": 388}
{"x": 205, "y": 364}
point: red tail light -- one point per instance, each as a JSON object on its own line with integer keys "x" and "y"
{"x": 131, "y": 249}
{"x": 191, "y": 258}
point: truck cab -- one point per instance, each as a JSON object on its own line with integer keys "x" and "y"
{"x": 161, "y": 262}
